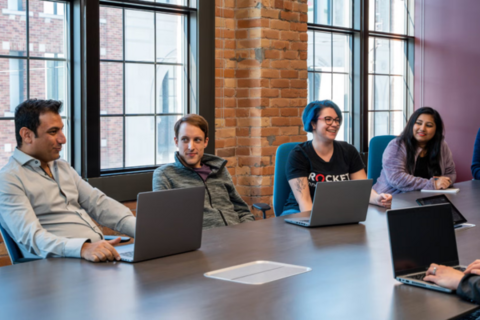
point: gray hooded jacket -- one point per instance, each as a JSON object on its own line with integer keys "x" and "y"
{"x": 223, "y": 205}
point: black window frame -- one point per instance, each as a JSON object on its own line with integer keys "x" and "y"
{"x": 361, "y": 33}
{"x": 86, "y": 94}
{"x": 67, "y": 59}
{"x": 189, "y": 107}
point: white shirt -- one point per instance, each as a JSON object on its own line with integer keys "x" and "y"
{"x": 53, "y": 217}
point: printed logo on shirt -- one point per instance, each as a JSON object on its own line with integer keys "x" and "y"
{"x": 313, "y": 178}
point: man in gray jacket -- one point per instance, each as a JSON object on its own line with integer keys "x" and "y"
{"x": 223, "y": 205}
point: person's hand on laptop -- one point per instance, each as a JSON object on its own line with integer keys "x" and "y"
{"x": 100, "y": 251}
{"x": 444, "y": 276}
{"x": 473, "y": 267}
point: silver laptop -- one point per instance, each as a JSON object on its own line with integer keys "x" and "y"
{"x": 339, "y": 202}
{"x": 420, "y": 236}
{"x": 168, "y": 222}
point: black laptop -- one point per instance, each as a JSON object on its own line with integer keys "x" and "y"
{"x": 420, "y": 236}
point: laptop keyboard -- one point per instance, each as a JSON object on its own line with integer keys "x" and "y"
{"x": 420, "y": 276}
{"x": 128, "y": 254}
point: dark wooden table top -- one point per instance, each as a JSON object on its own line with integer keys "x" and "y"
{"x": 351, "y": 277}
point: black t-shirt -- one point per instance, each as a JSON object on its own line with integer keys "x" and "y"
{"x": 303, "y": 161}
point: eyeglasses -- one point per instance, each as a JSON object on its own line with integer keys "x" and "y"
{"x": 330, "y": 120}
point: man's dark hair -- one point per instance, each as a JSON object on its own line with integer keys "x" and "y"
{"x": 27, "y": 114}
{"x": 195, "y": 120}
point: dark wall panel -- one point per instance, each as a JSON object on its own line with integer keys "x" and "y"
{"x": 447, "y": 71}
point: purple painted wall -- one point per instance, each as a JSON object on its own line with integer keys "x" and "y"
{"x": 447, "y": 71}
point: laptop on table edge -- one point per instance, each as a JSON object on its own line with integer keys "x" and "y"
{"x": 340, "y": 202}
{"x": 418, "y": 237}
{"x": 168, "y": 222}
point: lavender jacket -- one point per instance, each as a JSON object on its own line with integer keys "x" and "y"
{"x": 394, "y": 177}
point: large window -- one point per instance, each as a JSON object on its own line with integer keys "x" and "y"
{"x": 37, "y": 70}
{"x": 143, "y": 77}
{"x": 375, "y": 99}
{"x": 330, "y": 57}
{"x": 125, "y": 72}
{"x": 390, "y": 94}
{"x": 329, "y": 76}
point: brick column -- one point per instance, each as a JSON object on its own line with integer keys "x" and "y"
{"x": 261, "y": 87}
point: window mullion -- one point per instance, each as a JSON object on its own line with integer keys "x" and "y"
{"x": 91, "y": 124}
{"x": 124, "y": 90}
{"x": 155, "y": 88}
{"x": 27, "y": 45}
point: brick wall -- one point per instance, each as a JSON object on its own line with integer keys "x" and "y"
{"x": 261, "y": 87}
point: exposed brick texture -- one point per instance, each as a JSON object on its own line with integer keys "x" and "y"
{"x": 261, "y": 88}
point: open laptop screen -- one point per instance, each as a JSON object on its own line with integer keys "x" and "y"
{"x": 420, "y": 236}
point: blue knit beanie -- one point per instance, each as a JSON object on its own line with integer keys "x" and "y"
{"x": 312, "y": 110}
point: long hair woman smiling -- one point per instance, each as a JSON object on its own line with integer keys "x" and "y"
{"x": 419, "y": 158}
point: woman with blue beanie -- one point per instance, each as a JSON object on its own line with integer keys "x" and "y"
{"x": 323, "y": 159}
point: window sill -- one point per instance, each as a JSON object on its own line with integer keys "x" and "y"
{"x": 51, "y": 16}
{"x": 123, "y": 187}
{"x": 15, "y": 12}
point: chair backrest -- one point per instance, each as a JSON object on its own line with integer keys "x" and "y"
{"x": 375, "y": 155}
{"x": 281, "y": 188}
{"x": 13, "y": 250}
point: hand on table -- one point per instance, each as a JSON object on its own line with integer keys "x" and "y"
{"x": 384, "y": 200}
{"x": 100, "y": 251}
{"x": 446, "y": 277}
{"x": 442, "y": 182}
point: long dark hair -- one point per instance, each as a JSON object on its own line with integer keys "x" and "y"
{"x": 433, "y": 146}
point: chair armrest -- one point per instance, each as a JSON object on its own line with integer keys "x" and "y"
{"x": 22, "y": 260}
{"x": 262, "y": 207}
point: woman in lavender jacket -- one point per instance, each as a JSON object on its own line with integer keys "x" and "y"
{"x": 419, "y": 158}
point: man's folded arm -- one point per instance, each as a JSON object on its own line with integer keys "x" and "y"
{"x": 105, "y": 210}
{"x": 21, "y": 222}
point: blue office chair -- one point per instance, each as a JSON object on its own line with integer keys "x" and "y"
{"x": 281, "y": 187}
{"x": 375, "y": 155}
{"x": 13, "y": 250}
{"x": 476, "y": 158}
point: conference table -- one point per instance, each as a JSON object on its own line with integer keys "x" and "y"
{"x": 351, "y": 276}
